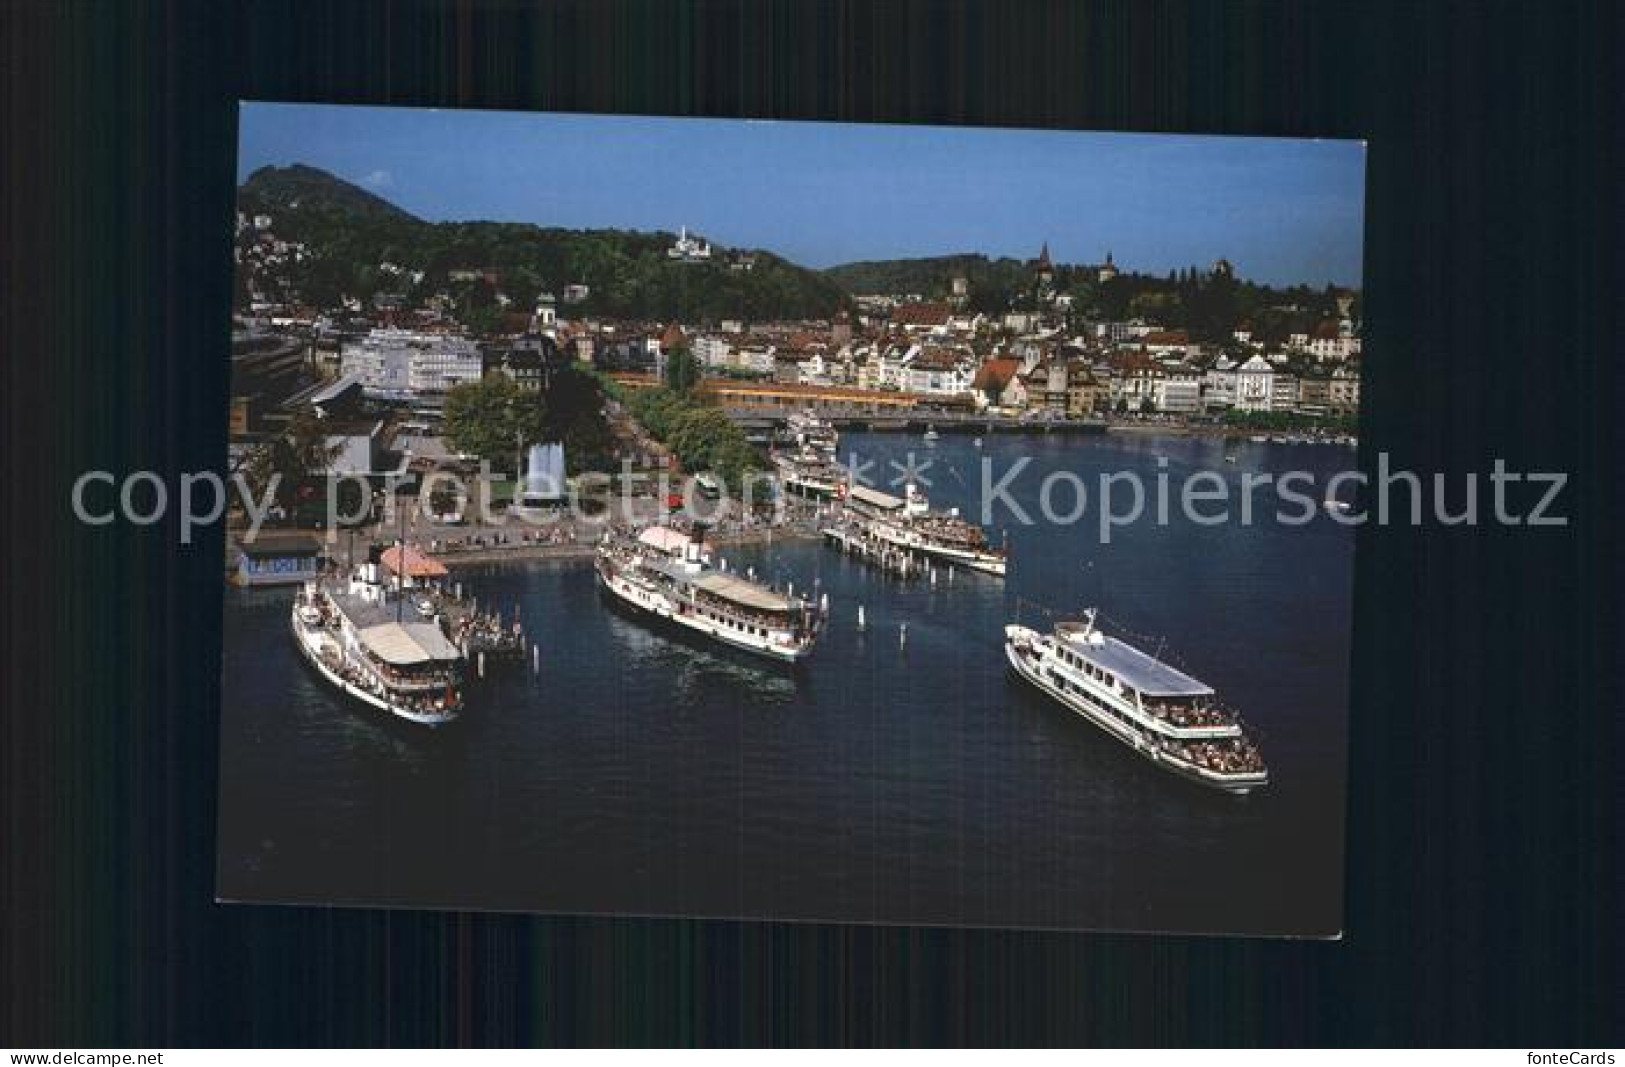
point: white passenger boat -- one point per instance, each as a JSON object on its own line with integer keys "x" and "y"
{"x": 360, "y": 643}
{"x": 1166, "y": 716}
{"x": 809, "y": 431}
{"x": 808, "y": 473}
{"x": 667, "y": 574}
{"x": 908, "y": 523}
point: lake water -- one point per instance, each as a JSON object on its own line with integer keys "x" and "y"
{"x": 884, "y": 781}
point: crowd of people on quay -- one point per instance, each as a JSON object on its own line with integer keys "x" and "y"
{"x": 558, "y": 534}
{"x": 486, "y": 632}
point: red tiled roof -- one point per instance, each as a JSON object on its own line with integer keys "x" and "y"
{"x": 996, "y": 373}
{"x": 921, "y": 315}
{"x": 935, "y": 359}
{"x": 1131, "y": 362}
{"x": 417, "y": 564}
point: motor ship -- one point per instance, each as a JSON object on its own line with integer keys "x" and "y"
{"x": 1166, "y": 716}
{"x": 908, "y": 523}
{"x": 359, "y": 639}
{"x": 807, "y": 472}
{"x": 811, "y": 432}
{"x": 670, "y": 575}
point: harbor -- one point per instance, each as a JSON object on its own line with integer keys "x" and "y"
{"x": 632, "y": 762}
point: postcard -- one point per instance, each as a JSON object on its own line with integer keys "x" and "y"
{"x": 790, "y": 521}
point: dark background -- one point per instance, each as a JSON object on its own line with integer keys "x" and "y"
{"x": 1483, "y": 861}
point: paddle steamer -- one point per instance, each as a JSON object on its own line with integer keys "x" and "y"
{"x": 665, "y": 573}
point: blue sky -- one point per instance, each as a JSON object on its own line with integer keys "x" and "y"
{"x": 1283, "y": 211}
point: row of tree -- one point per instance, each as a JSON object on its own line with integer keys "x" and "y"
{"x": 700, "y": 435}
{"x": 494, "y": 419}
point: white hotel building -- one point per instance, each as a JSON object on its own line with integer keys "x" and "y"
{"x": 396, "y": 364}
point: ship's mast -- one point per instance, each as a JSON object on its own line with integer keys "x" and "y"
{"x": 400, "y": 550}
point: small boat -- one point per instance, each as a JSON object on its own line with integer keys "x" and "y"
{"x": 1230, "y": 458}
{"x": 976, "y": 442}
{"x": 931, "y": 435}
{"x": 1342, "y": 506}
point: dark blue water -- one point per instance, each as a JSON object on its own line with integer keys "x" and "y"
{"x": 883, "y": 782}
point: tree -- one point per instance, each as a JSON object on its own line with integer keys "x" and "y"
{"x": 290, "y": 462}
{"x": 682, "y": 370}
{"x": 573, "y": 413}
{"x": 491, "y": 419}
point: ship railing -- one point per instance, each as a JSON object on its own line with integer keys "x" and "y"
{"x": 1225, "y": 756}
{"x": 1188, "y": 716}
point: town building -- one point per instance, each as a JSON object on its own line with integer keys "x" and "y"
{"x": 527, "y": 362}
{"x": 1333, "y": 341}
{"x": 1343, "y": 390}
{"x": 689, "y": 249}
{"x": 921, "y": 317}
{"x": 1219, "y": 385}
{"x": 277, "y": 559}
{"x": 937, "y": 372}
{"x": 397, "y": 364}
{"x": 1255, "y": 385}
{"x": 713, "y": 350}
{"x": 1179, "y": 390}
{"x": 998, "y": 384}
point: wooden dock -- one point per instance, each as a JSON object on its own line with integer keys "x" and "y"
{"x": 850, "y": 541}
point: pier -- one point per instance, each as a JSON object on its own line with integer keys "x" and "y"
{"x": 850, "y": 540}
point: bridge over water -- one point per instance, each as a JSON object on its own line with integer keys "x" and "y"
{"x": 764, "y": 421}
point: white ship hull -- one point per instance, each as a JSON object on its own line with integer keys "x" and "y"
{"x": 312, "y": 641}
{"x": 779, "y": 645}
{"x": 903, "y": 537}
{"x": 1027, "y": 667}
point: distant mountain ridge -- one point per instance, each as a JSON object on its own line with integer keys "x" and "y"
{"x": 309, "y": 189}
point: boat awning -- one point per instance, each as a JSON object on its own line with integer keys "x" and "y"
{"x": 742, "y": 592}
{"x": 664, "y": 539}
{"x": 417, "y": 564}
{"x": 1141, "y": 672}
{"x": 875, "y": 498}
{"x": 408, "y": 644}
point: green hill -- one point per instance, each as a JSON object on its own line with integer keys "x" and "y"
{"x": 349, "y": 233}
{"x": 306, "y": 194}
{"x": 994, "y": 284}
